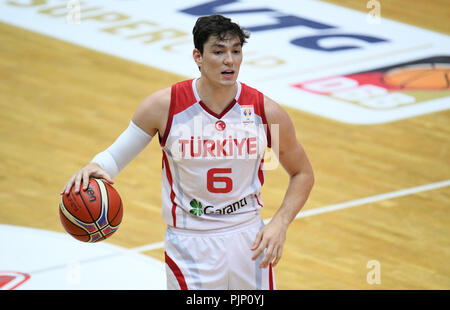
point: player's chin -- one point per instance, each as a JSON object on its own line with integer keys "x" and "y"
{"x": 228, "y": 80}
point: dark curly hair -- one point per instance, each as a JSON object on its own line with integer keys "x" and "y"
{"x": 219, "y": 26}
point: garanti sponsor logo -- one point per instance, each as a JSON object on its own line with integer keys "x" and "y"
{"x": 198, "y": 209}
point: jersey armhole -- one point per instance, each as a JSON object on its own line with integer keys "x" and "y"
{"x": 264, "y": 119}
{"x": 163, "y": 139}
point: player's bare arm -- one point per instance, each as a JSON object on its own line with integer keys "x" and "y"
{"x": 294, "y": 160}
{"x": 150, "y": 116}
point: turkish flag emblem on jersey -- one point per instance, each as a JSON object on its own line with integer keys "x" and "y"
{"x": 220, "y": 125}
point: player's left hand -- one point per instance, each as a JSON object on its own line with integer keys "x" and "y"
{"x": 271, "y": 238}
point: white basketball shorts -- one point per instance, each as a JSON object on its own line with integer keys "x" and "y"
{"x": 216, "y": 260}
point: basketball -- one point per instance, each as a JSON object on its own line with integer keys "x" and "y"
{"x": 419, "y": 77}
{"x": 91, "y": 215}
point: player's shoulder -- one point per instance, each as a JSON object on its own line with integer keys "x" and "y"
{"x": 152, "y": 110}
{"x": 162, "y": 98}
{"x": 248, "y": 90}
{"x": 275, "y": 113}
{"x": 270, "y": 106}
{"x": 157, "y": 100}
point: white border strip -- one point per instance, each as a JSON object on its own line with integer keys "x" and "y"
{"x": 148, "y": 247}
{"x": 335, "y": 207}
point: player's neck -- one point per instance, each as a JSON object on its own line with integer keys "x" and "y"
{"x": 215, "y": 97}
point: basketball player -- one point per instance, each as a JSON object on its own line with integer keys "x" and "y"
{"x": 214, "y": 131}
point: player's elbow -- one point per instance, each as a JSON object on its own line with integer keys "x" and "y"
{"x": 311, "y": 179}
{"x": 307, "y": 175}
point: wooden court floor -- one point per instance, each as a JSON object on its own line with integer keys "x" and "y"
{"x": 60, "y": 104}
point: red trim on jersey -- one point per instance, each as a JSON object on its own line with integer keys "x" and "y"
{"x": 264, "y": 119}
{"x": 250, "y": 95}
{"x": 261, "y": 172}
{"x": 219, "y": 116}
{"x": 176, "y": 271}
{"x": 172, "y": 193}
{"x": 181, "y": 97}
{"x": 257, "y": 200}
{"x": 270, "y": 277}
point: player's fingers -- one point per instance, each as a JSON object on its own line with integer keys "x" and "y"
{"x": 69, "y": 185}
{"x": 257, "y": 240}
{"x": 108, "y": 181}
{"x": 99, "y": 173}
{"x": 268, "y": 257}
{"x": 107, "y": 178}
{"x": 259, "y": 250}
{"x": 78, "y": 177}
{"x": 63, "y": 191}
{"x": 278, "y": 257}
{"x": 85, "y": 179}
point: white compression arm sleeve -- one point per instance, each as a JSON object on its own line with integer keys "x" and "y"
{"x": 127, "y": 146}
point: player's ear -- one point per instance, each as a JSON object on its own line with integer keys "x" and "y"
{"x": 198, "y": 58}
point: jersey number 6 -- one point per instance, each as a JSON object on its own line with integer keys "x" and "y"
{"x": 212, "y": 179}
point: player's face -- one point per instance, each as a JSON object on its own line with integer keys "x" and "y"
{"x": 221, "y": 60}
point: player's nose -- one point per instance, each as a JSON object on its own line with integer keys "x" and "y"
{"x": 228, "y": 60}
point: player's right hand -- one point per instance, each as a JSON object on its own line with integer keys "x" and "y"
{"x": 81, "y": 177}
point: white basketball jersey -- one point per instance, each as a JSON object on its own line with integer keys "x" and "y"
{"x": 213, "y": 163}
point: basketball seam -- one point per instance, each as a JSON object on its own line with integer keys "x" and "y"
{"x": 101, "y": 207}
{"x": 117, "y": 213}
{"x": 414, "y": 78}
{"x": 105, "y": 186}
{"x": 94, "y": 221}
{"x": 78, "y": 234}
{"x": 70, "y": 221}
{"x": 107, "y": 211}
{"x": 68, "y": 210}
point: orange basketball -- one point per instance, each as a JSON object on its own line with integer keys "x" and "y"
{"x": 91, "y": 215}
{"x": 419, "y": 77}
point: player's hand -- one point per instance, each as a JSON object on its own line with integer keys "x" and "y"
{"x": 81, "y": 177}
{"x": 271, "y": 238}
